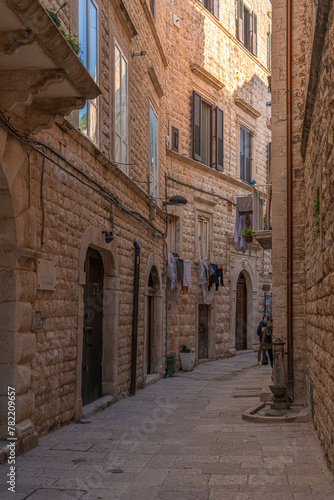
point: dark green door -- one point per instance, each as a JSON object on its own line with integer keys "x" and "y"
{"x": 92, "y": 334}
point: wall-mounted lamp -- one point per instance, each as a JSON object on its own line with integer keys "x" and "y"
{"x": 108, "y": 236}
{"x": 177, "y": 200}
{"x": 138, "y": 53}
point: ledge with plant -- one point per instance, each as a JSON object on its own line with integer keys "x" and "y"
{"x": 247, "y": 234}
{"x": 72, "y": 40}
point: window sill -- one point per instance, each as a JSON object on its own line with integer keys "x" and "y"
{"x": 209, "y": 170}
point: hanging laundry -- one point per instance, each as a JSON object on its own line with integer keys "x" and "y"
{"x": 202, "y": 271}
{"x": 213, "y": 280}
{"x": 179, "y": 270}
{"x": 171, "y": 270}
{"x": 207, "y": 294}
{"x": 240, "y": 243}
{"x": 186, "y": 272}
{"x": 257, "y": 210}
{"x": 220, "y": 273}
{"x": 245, "y": 205}
{"x": 179, "y": 273}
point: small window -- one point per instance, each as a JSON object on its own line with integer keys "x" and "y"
{"x": 175, "y": 139}
{"x": 121, "y": 110}
{"x": 202, "y": 129}
{"x": 247, "y": 27}
{"x": 245, "y": 155}
{"x": 154, "y": 158}
{"x": 203, "y": 237}
{"x": 212, "y": 6}
{"x": 206, "y": 134}
{"x": 219, "y": 139}
{"x": 173, "y": 234}
{"x": 88, "y": 22}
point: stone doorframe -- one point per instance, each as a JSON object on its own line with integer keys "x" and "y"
{"x": 211, "y": 328}
{"x": 158, "y": 327}
{"x": 93, "y": 238}
{"x": 18, "y": 291}
{"x": 248, "y": 270}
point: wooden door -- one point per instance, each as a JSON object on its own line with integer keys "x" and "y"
{"x": 92, "y": 334}
{"x": 203, "y": 331}
{"x": 241, "y": 316}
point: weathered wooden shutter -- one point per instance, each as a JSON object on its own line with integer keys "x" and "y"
{"x": 197, "y": 118}
{"x": 248, "y": 159}
{"x": 254, "y": 37}
{"x": 215, "y": 8}
{"x": 219, "y": 139}
{"x": 242, "y": 153}
{"x": 205, "y": 239}
{"x": 241, "y": 20}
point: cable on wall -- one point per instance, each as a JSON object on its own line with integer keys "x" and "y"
{"x": 88, "y": 182}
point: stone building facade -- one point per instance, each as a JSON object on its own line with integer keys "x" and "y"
{"x": 216, "y": 74}
{"x": 61, "y": 189}
{"x": 87, "y": 160}
{"x": 312, "y": 191}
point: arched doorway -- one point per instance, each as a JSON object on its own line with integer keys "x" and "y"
{"x": 91, "y": 388}
{"x": 8, "y": 334}
{"x": 241, "y": 314}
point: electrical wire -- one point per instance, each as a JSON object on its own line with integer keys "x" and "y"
{"x": 89, "y": 182}
{"x": 199, "y": 189}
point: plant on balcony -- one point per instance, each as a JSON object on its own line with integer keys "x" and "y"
{"x": 247, "y": 233}
{"x": 72, "y": 40}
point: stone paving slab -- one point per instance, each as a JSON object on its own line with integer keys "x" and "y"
{"x": 181, "y": 438}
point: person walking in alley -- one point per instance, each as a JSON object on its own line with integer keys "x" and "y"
{"x": 260, "y": 330}
{"x": 267, "y": 341}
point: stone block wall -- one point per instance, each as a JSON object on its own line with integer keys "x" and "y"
{"x": 47, "y": 375}
{"x": 313, "y": 289}
{"x": 56, "y": 216}
{"x": 300, "y": 52}
{"x": 212, "y": 45}
{"x": 319, "y": 222}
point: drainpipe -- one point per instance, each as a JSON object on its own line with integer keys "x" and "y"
{"x": 135, "y": 319}
{"x": 289, "y": 203}
{"x": 165, "y": 270}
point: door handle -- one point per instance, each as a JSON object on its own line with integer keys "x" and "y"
{"x": 89, "y": 345}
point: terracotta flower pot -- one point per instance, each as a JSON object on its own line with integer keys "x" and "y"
{"x": 249, "y": 238}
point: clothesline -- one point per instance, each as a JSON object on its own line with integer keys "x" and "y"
{"x": 210, "y": 275}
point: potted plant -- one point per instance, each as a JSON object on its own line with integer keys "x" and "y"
{"x": 187, "y": 357}
{"x": 247, "y": 233}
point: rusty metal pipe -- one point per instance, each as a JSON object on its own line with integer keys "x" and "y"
{"x": 289, "y": 202}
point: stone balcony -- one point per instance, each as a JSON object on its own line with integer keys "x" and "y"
{"x": 264, "y": 238}
{"x": 41, "y": 77}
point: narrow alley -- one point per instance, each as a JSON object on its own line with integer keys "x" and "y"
{"x": 181, "y": 438}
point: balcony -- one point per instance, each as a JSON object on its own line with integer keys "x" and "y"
{"x": 41, "y": 76}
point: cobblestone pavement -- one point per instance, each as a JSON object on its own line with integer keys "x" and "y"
{"x": 181, "y": 438}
